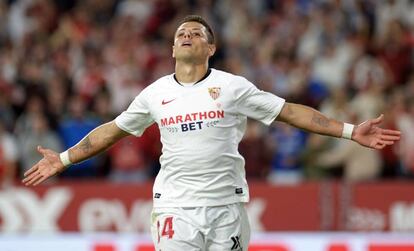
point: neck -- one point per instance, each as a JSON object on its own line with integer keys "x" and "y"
{"x": 190, "y": 73}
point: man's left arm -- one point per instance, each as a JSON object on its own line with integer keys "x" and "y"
{"x": 367, "y": 133}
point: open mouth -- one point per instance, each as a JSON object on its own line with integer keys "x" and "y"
{"x": 187, "y": 43}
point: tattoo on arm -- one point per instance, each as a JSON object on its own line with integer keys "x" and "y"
{"x": 320, "y": 120}
{"x": 85, "y": 145}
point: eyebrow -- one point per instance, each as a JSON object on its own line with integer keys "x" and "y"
{"x": 195, "y": 28}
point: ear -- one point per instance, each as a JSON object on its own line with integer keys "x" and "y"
{"x": 211, "y": 49}
{"x": 173, "y": 51}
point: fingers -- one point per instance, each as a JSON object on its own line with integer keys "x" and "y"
{"x": 42, "y": 178}
{"x": 390, "y": 132}
{"x": 41, "y": 150}
{"x": 33, "y": 178}
{"x": 386, "y": 142}
{"x": 34, "y": 174}
{"x": 390, "y": 137}
{"x": 42, "y": 170}
{"x": 381, "y": 142}
{"x": 378, "y": 120}
{"x": 31, "y": 170}
{"x": 379, "y": 146}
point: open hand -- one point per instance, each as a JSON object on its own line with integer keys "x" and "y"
{"x": 370, "y": 135}
{"x": 47, "y": 167}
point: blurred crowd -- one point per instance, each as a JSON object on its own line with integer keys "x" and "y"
{"x": 68, "y": 66}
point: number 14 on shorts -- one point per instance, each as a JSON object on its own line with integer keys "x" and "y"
{"x": 167, "y": 228}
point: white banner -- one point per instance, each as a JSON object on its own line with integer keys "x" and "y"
{"x": 260, "y": 242}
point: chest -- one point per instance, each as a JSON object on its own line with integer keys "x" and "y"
{"x": 192, "y": 109}
{"x": 190, "y": 100}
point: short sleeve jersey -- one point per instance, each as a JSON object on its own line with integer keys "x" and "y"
{"x": 201, "y": 126}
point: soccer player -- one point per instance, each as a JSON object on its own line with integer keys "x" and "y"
{"x": 200, "y": 191}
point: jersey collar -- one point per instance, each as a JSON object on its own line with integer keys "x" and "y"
{"x": 205, "y": 76}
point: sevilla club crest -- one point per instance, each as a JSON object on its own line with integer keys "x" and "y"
{"x": 214, "y": 92}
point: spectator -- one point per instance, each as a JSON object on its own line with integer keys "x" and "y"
{"x": 40, "y": 134}
{"x": 301, "y": 50}
{"x": 73, "y": 128}
{"x": 6, "y": 112}
{"x": 35, "y": 105}
{"x": 128, "y": 161}
{"x": 349, "y": 156}
{"x": 395, "y": 109}
{"x": 405, "y": 123}
{"x": 101, "y": 106}
{"x": 257, "y": 159}
{"x": 8, "y": 157}
{"x": 289, "y": 143}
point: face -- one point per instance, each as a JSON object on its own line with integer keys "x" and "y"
{"x": 191, "y": 43}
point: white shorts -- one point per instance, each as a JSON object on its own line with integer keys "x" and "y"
{"x": 218, "y": 228}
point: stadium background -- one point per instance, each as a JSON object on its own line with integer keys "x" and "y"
{"x": 68, "y": 66}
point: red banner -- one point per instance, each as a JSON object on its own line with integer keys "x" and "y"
{"x": 102, "y": 206}
{"x": 378, "y": 207}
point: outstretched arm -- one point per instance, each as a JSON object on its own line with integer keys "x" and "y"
{"x": 95, "y": 142}
{"x": 367, "y": 134}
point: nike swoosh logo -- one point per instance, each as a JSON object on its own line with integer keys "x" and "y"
{"x": 166, "y": 102}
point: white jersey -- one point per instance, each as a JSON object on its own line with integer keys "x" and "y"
{"x": 201, "y": 126}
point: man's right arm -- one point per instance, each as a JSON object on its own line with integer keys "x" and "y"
{"x": 98, "y": 140}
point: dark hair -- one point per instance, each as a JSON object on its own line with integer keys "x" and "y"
{"x": 199, "y": 19}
